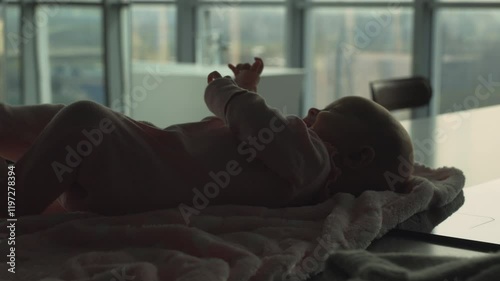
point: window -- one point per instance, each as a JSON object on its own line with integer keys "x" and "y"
{"x": 153, "y": 41}
{"x": 350, "y": 47}
{"x": 345, "y": 44}
{"x": 466, "y": 55}
{"x": 468, "y": 1}
{"x": 347, "y": 1}
{"x": 76, "y": 54}
{"x": 233, "y": 33}
{"x": 2, "y": 55}
{"x": 10, "y": 70}
{"x": 153, "y": 33}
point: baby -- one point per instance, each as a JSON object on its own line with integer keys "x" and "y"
{"x": 94, "y": 159}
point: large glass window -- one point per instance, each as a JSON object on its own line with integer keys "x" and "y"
{"x": 232, "y": 33}
{"x": 76, "y": 54}
{"x": 153, "y": 33}
{"x": 346, "y": 46}
{"x": 382, "y": 1}
{"x": 349, "y": 47}
{"x": 10, "y": 77}
{"x": 153, "y": 39}
{"x": 468, "y": 0}
{"x": 467, "y": 58}
{"x": 2, "y": 55}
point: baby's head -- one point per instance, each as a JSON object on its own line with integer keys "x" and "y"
{"x": 374, "y": 152}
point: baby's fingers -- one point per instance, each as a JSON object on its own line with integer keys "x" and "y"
{"x": 258, "y": 65}
{"x": 244, "y": 66}
{"x": 234, "y": 69}
{"x": 213, "y": 75}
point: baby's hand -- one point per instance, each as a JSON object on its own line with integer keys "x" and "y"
{"x": 214, "y": 75}
{"x": 248, "y": 76}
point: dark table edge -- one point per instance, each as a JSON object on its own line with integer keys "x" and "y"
{"x": 454, "y": 242}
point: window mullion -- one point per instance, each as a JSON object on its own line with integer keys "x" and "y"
{"x": 115, "y": 55}
{"x": 422, "y": 46}
{"x": 295, "y": 33}
{"x": 126, "y": 57}
{"x": 186, "y": 30}
{"x": 28, "y": 55}
{"x": 295, "y": 38}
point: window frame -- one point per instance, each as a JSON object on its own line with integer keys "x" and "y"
{"x": 35, "y": 86}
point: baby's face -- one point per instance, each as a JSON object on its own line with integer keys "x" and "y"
{"x": 360, "y": 129}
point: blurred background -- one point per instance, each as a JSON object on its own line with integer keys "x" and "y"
{"x": 64, "y": 51}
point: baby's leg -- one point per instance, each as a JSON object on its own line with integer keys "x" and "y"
{"x": 21, "y": 125}
{"x": 48, "y": 168}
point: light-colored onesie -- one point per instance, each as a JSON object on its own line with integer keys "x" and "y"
{"x": 246, "y": 154}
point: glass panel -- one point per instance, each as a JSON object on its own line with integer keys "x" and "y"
{"x": 393, "y": 3}
{"x": 238, "y": 34}
{"x": 76, "y": 55}
{"x": 2, "y": 55}
{"x": 351, "y": 47}
{"x": 235, "y": 2}
{"x": 468, "y": 0}
{"x": 154, "y": 33}
{"x": 10, "y": 78}
{"x": 466, "y": 65}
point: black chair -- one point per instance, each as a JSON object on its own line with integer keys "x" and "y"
{"x": 403, "y": 93}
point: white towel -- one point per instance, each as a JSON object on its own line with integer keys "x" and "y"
{"x": 222, "y": 242}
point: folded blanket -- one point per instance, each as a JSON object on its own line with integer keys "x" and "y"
{"x": 222, "y": 242}
{"x": 360, "y": 265}
{"x": 427, "y": 220}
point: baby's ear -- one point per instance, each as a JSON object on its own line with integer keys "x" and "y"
{"x": 311, "y": 116}
{"x": 313, "y": 112}
{"x": 360, "y": 158}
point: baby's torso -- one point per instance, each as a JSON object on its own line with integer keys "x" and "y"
{"x": 198, "y": 165}
{"x": 225, "y": 168}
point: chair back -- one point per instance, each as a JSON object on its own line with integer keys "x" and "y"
{"x": 402, "y": 93}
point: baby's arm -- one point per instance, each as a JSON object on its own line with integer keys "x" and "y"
{"x": 285, "y": 145}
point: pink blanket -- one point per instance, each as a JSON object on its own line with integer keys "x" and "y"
{"x": 221, "y": 243}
